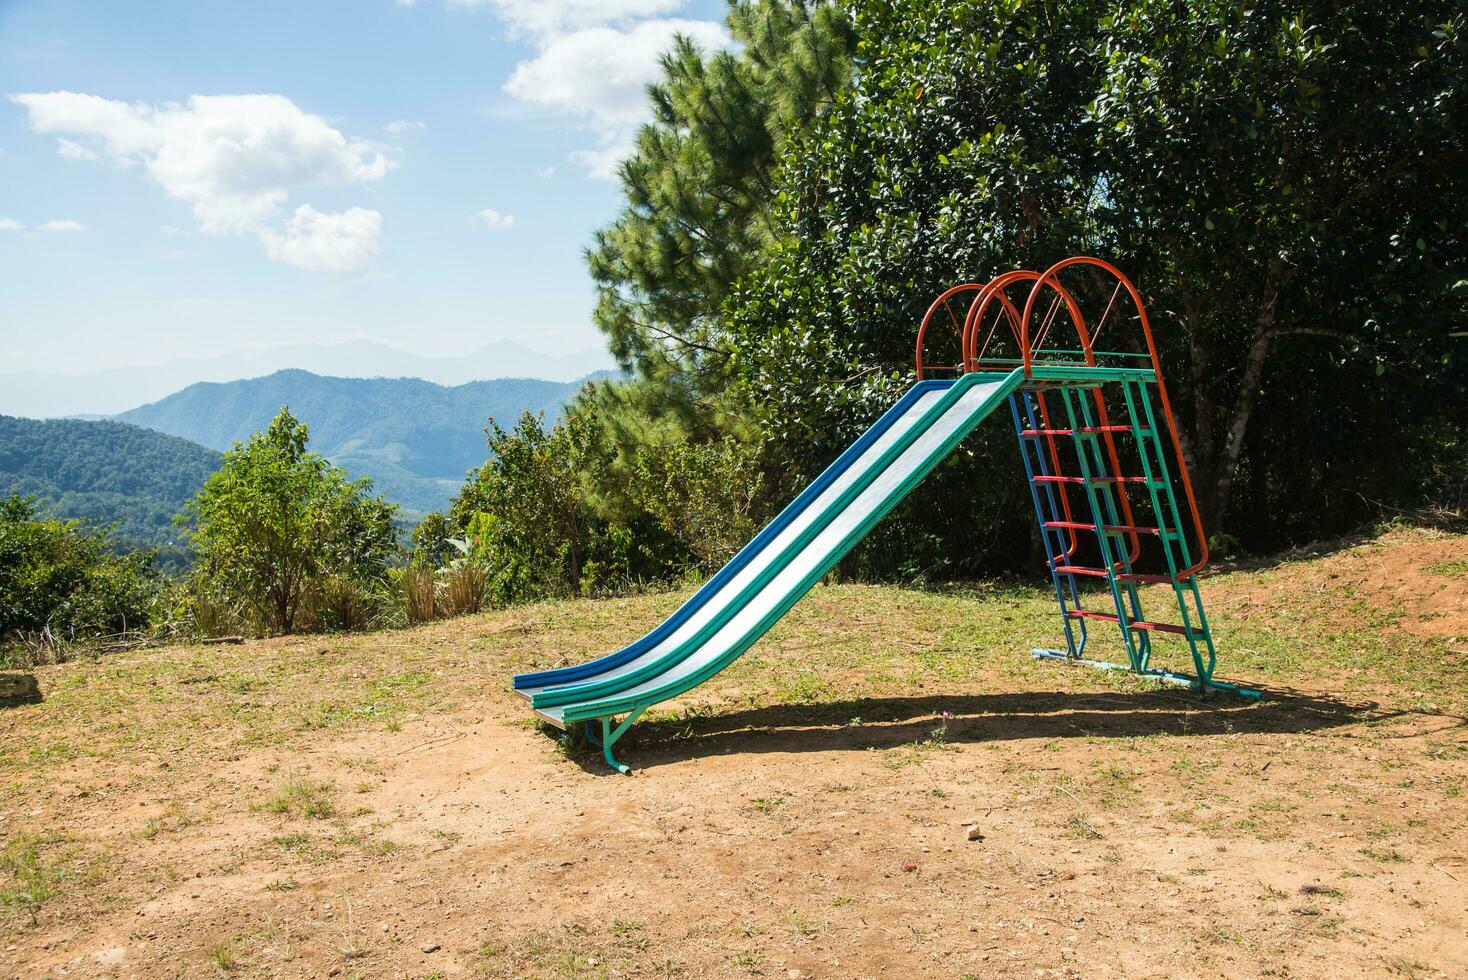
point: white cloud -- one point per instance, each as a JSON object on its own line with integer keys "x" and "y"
{"x": 61, "y": 224}
{"x": 73, "y": 150}
{"x": 496, "y": 219}
{"x": 317, "y": 241}
{"x": 10, "y": 224}
{"x": 234, "y": 159}
{"x": 541, "y": 18}
{"x": 545, "y": 173}
{"x": 601, "y": 74}
{"x": 400, "y": 126}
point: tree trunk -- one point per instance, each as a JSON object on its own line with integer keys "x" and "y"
{"x": 1226, "y": 460}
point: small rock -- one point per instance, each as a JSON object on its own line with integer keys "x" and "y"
{"x": 382, "y": 927}
{"x": 974, "y": 833}
{"x": 909, "y": 866}
{"x": 335, "y": 971}
{"x": 430, "y": 947}
{"x": 794, "y": 974}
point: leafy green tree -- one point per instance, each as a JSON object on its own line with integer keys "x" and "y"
{"x": 706, "y": 495}
{"x": 534, "y": 523}
{"x": 276, "y": 519}
{"x": 62, "y": 579}
{"x": 1282, "y": 180}
{"x": 700, "y": 199}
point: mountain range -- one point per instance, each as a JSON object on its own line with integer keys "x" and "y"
{"x": 416, "y": 439}
{"x": 106, "y": 392}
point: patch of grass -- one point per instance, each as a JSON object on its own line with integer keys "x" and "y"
{"x": 1456, "y": 567}
{"x": 222, "y": 957}
{"x": 31, "y": 878}
{"x": 303, "y": 797}
{"x": 1389, "y": 856}
{"x": 1082, "y": 829}
{"x": 768, "y": 804}
{"x": 913, "y": 753}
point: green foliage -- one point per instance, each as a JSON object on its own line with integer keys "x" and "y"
{"x": 530, "y": 518}
{"x": 62, "y": 581}
{"x": 704, "y": 495}
{"x": 107, "y": 473}
{"x": 281, "y": 530}
{"x": 699, "y": 194}
{"x": 1281, "y": 181}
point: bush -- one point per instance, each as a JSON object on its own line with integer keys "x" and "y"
{"x": 535, "y": 525}
{"x": 60, "y": 581}
{"x": 703, "y": 495}
{"x": 281, "y": 530}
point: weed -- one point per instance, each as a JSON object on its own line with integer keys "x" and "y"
{"x": 303, "y": 797}
{"x": 1389, "y": 856}
{"x": 1082, "y": 829}
{"x": 222, "y": 957}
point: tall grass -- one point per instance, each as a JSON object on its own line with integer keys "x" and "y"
{"x": 418, "y": 588}
{"x": 463, "y": 588}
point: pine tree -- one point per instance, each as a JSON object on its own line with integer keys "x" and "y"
{"x": 699, "y": 196}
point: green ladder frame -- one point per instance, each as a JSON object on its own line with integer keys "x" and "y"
{"x": 1090, "y": 438}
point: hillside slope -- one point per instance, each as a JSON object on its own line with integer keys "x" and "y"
{"x": 888, "y": 784}
{"x": 105, "y": 471}
{"x": 414, "y": 438}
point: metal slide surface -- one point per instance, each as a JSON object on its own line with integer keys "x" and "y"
{"x": 761, "y": 550}
{"x": 739, "y": 604}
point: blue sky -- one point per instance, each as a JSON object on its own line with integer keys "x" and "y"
{"x": 184, "y": 179}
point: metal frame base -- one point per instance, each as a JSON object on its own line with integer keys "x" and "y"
{"x": 609, "y": 736}
{"x": 1167, "y": 676}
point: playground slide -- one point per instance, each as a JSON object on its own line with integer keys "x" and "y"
{"x": 756, "y": 556}
{"x": 780, "y": 565}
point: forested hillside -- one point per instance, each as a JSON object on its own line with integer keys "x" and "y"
{"x": 104, "y": 472}
{"x": 414, "y": 438}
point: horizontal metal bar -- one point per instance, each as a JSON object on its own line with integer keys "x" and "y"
{"x": 1134, "y": 624}
{"x": 1071, "y": 432}
{"x": 1161, "y": 675}
{"x": 1091, "y": 479}
{"x": 1109, "y": 528}
{"x": 1119, "y": 576}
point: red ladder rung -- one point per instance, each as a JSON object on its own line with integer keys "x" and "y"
{"x": 1071, "y": 432}
{"x": 1120, "y": 576}
{"x": 1137, "y": 624}
{"x": 1093, "y": 479}
{"x": 1115, "y": 528}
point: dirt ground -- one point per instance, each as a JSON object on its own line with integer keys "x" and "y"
{"x": 888, "y": 785}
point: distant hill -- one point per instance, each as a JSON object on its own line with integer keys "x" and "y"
{"x": 43, "y": 394}
{"x": 104, "y": 472}
{"x": 414, "y": 438}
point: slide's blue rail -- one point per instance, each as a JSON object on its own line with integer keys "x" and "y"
{"x": 578, "y": 672}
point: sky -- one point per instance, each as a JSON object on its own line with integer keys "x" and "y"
{"x": 181, "y": 179}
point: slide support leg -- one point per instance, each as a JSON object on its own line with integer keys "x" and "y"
{"x": 609, "y": 736}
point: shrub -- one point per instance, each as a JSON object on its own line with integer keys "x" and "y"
{"x": 703, "y": 495}
{"x": 279, "y": 528}
{"x": 417, "y": 585}
{"x": 60, "y": 581}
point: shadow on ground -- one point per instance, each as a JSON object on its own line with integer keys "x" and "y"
{"x": 883, "y": 723}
